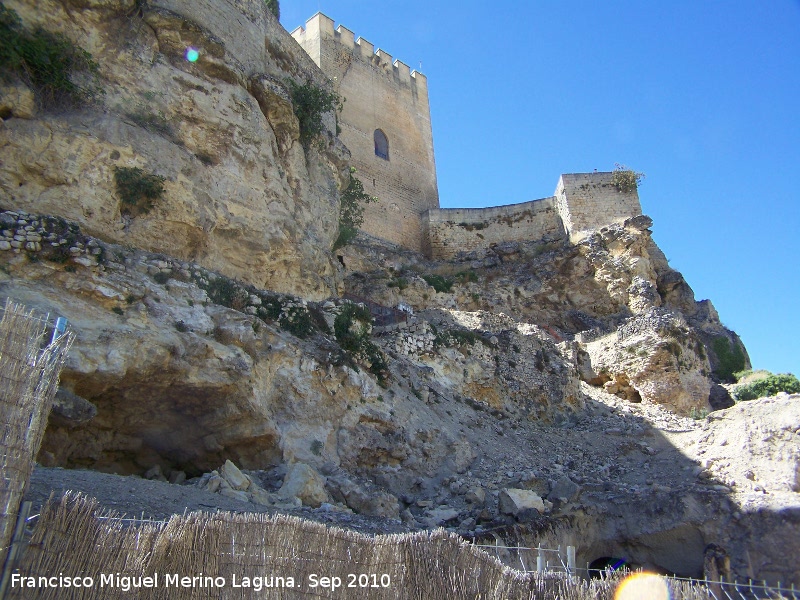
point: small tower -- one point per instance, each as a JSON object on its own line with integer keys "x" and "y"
{"x": 386, "y": 124}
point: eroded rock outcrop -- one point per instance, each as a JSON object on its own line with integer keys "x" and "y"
{"x": 241, "y": 194}
{"x": 618, "y": 312}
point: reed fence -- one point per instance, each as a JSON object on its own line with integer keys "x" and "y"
{"x": 244, "y": 556}
{"x": 32, "y": 352}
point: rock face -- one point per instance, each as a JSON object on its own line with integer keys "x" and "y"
{"x": 536, "y": 385}
{"x": 620, "y": 315}
{"x": 241, "y": 195}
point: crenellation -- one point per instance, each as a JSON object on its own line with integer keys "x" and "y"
{"x": 366, "y": 49}
{"x": 419, "y": 82}
{"x": 386, "y": 59}
{"x": 403, "y": 72}
{"x": 386, "y": 125}
{"x": 346, "y": 37}
{"x": 324, "y": 24}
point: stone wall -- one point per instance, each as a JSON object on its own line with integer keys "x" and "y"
{"x": 589, "y": 201}
{"x": 582, "y": 202}
{"x": 380, "y": 94}
{"x": 453, "y": 230}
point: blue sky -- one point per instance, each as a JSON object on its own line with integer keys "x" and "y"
{"x": 703, "y": 97}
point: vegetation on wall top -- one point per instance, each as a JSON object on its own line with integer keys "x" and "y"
{"x": 625, "y": 179}
{"x": 50, "y": 63}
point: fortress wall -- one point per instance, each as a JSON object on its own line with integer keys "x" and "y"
{"x": 380, "y": 93}
{"x": 589, "y": 201}
{"x": 454, "y": 230}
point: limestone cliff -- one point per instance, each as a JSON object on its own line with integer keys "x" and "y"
{"x": 241, "y": 193}
{"x": 619, "y": 314}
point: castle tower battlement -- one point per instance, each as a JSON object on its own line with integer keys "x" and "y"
{"x": 385, "y": 123}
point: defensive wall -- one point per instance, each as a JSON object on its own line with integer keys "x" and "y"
{"x": 453, "y": 230}
{"x": 386, "y": 124}
{"x": 589, "y": 201}
{"x": 582, "y": 202}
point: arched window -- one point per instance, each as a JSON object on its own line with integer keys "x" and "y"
{"x": 381, "y": 145}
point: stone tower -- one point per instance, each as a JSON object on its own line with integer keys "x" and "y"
{"x": 385, "y": 123}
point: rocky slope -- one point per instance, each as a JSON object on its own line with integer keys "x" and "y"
{"x": 544, "y": 393}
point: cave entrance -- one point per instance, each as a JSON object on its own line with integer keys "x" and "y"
{"x": 599, "y": 566}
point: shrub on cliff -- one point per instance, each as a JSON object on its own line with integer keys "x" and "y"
{"x": 48, "y": 62}
{"x": 310, "y": 103}
{"x": 439, "y": 283}
{"x": 352, "y": 330}
{"x": 730, "y": 358}
{"x": 274, "y": 7}
{"x": 351, "y": 214}
{"x": 769, "y": 386}
{"x": 138, "y": 190}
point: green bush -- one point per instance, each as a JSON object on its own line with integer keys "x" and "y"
{"x": 456, "y": 337}
{"x": 297, "y": 321}
{"x": 400, "y": 283}
{"x": 226, "y": 292}
{"x": 161, "y": 277}
{"x": 439, "y": 283}
{"x": 625, "y": 179}
{"x": 47, "y": 62}
{"x": 310, "y": 103}
{"x": 466, "y": 276}
{"x": 274, "y": 7}
{"x": 730, "y": 359}
{"x": 351, "y": 326}
{"x": 352, "y": 330}
{"x": 138, "y": 190}
{"x": 769, "y": 386}
{"x": 351, "y": 213}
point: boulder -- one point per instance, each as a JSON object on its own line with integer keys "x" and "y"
{"x": 155, "y": 472}
{"x": 440, "y": 515}
{"x": 512, "y": 501}
{"x": 476, "y": 496}
{"x": 363, "y": 499}
{"x": 563, "y": 489}
{"x": 719, "y": 398}
{"x": 71, "y": 409}
{"x": 235, "y": 494}
{"x": 305, "y": 483}
{"x": 235, "y": 478}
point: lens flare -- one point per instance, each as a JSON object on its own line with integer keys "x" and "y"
{"x": 192, "y": 54}
{"x": 643, "y": 586}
